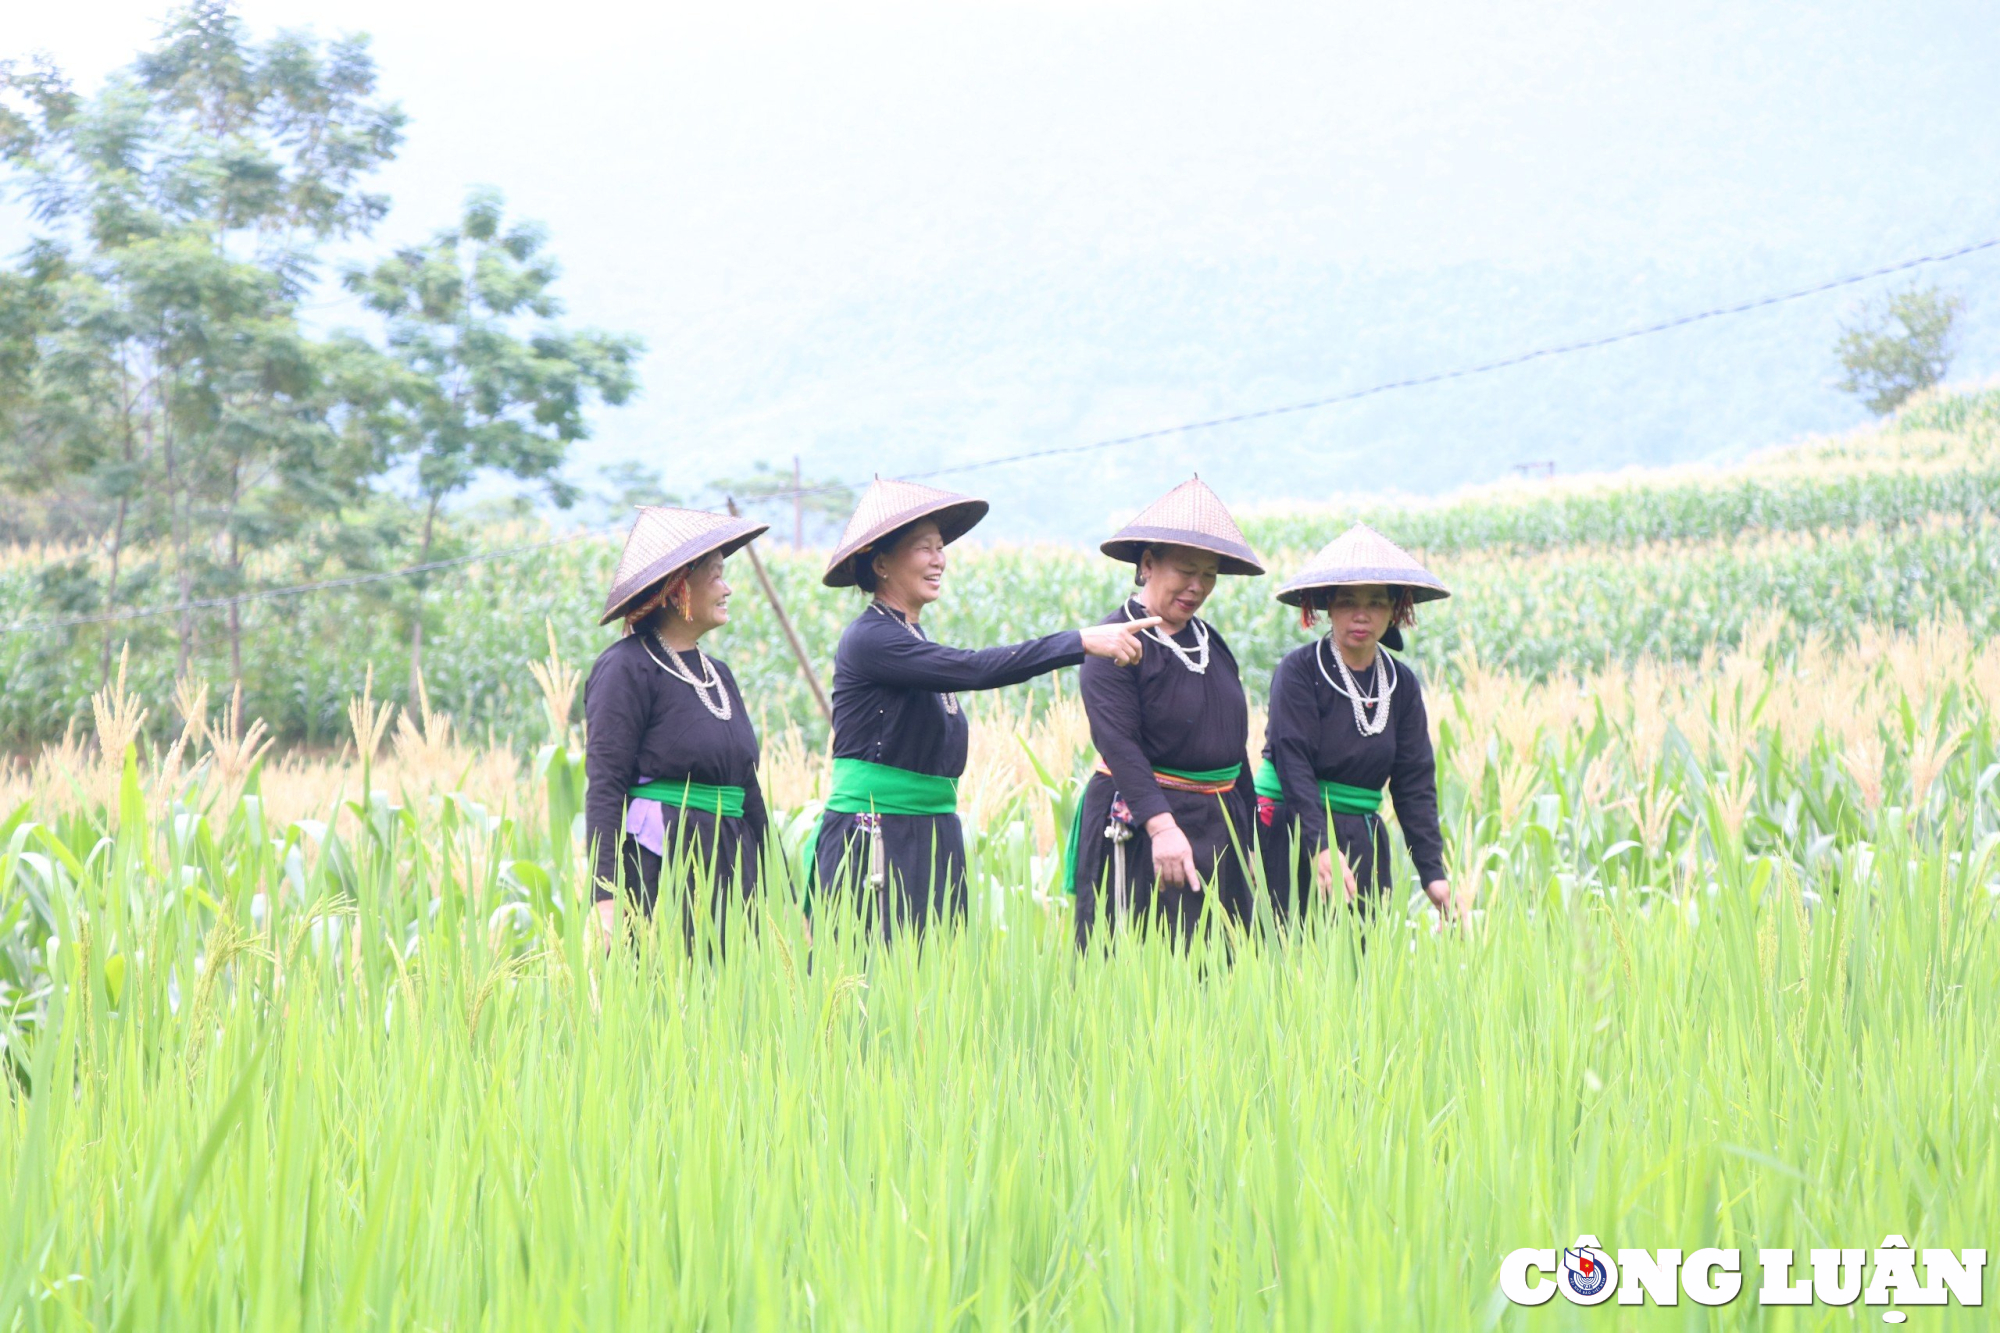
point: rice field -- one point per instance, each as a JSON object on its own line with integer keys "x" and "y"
{"x": 322, "y": 1039}
{"x": 304, "y": 1026}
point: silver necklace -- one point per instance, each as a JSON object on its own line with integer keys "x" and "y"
{"x": 1196, "y": 661}
{"x": 1385, "y": 687}
{"x": 720, "y": 705}
{"x": 950, "y": 700}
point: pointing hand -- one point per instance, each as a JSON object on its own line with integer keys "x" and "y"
{"x": 1120, "y": 641}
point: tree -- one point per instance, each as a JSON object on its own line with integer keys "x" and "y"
{"x": 624, "y": 486}
{"x": 171, "y": 386}
{"x": 484, "y": 379}
{"x": 1899, "y": 347}
{"x": 27, "y": 317}
{"x": 794, "y": 503}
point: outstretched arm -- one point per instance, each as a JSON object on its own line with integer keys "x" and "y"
{"x": 899, "y": 658}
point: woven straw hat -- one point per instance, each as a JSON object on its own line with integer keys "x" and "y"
{"x": 1362, "y": 555}
{"x": 1188, "y": 515}
{"x": 663, "y": 540}
{"x": 890, "y": 504}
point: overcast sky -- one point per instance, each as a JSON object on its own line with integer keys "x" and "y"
{"x": 890, "y": 236}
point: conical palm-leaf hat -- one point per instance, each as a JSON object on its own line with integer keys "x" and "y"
{"x": 1188, "y": 515}
{"x": 663, "y": 540}
{"x": 889, "y": 504}
{"x": 1362, "y": 555}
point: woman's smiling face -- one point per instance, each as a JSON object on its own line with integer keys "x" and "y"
{"x": 912, "y": 571}
{"x": 708, "y": 594}
{"x": 1177, "y": 579}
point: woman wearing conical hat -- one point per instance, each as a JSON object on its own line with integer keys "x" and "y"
{"x": 890, "y": 837}
{"x": 1167, "y": 817}
{"x": 1346, "y": 720}
{"x": 671, "y": 755}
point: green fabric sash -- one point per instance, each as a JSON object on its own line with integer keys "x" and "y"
{"x": 1211, "y": 775}
{"x": 690, "y": 795}
{"x": 860, "y": 788}
{"x": 1338, "y": 796}
{"x": 1075, "y": 848}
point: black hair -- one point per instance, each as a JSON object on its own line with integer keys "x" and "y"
{"x": 654, "y": 617}
{"x": 863, "y": 561}
{"x": 1402, "y": 601}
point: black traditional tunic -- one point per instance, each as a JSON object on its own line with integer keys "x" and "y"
{"x": 1310, "y": 738}
{"x": 888, "y": 708}
{"x": 647, "y": 725}
{"x": 1160, "y": 715}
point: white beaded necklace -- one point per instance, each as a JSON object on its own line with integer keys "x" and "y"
{"x": 950, "y": 700}
{"x": 1196, "y": 661}
{"x": 720, "y": 706}
{"x": 1385, "y": 687}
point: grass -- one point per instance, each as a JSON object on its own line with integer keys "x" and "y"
{"x": 994, "y": 1134}
{"x": 335, "y": 1048}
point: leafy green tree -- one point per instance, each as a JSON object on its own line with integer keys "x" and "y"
{"x": 484, "y": 378}
{"x": 170, "y": 383}
{"x": 1899, "y": 347}
{"x": 27, "y": 317}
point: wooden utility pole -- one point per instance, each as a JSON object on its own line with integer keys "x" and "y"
{"x": 785, "y": 623}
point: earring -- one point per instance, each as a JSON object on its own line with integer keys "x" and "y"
{"x": 684, "y": 600}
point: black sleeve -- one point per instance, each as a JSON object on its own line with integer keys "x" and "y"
{"x": 1111, "y": 702}
{"x": 756, "y": 818}
{"x": 890, "y": 655}
{"x": 1413, "y": 783}
{"x": 1293, "y": 730}
{"x": 615, "y": 709}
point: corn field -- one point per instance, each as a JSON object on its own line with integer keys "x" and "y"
{"x": 1890, "y": 527}
{"x": 322, "y": 1036}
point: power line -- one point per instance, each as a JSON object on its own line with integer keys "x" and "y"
{"x": 1439, "y": 377}
{"x": 1211, "y": 423}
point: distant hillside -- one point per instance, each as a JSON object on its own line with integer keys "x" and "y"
{"x": 868, "y": 385}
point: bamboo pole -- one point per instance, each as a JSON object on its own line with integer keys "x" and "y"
{"x": 785, "y": 623}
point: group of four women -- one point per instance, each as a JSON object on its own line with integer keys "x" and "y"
{"x": 1174, "y": 812}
